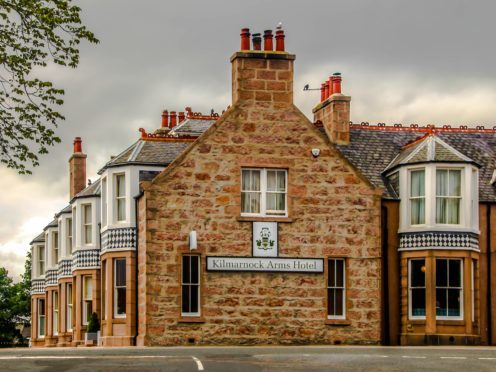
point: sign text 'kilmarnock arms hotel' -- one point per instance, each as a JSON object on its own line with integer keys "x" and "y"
{"x": 307, "y": 265}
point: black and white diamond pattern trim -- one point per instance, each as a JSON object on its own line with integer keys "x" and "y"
{"x": 37, "y": 286}
{"x": 123, "y": 238}
{"x": 85, "y": 259}
{"x": 51, "y": 277}
{"x": 437, "y": 239}
{"x": 65, "y": 268}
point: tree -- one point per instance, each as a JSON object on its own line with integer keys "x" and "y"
{"x": 15, "y": 303}
{"x": 34, "y": 33}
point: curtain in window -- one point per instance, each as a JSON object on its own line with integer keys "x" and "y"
{"x": 448, "y": 196}
{"x": 250, "y": 191}
{"x": 417, "y": 197}
{"x": 276, "y": 190}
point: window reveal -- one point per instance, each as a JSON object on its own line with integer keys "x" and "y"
{"x": 190, "y": 304}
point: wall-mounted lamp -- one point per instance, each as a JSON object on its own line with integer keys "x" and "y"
{"x": 192, "y": 240}
{"x": 315, "y": 152}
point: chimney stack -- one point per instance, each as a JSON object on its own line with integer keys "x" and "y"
{"x": 334, "y": 111}
{"x": 262, "y": 76}
{"x": 77, "y": 169}
{"x": 165, "y": 119}
{"x": 173, "y": 119}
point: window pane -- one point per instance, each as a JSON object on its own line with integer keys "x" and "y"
{"x": 441, "y": 305}
{"x": 245, "y": 180}
{"x": 88, "y": 309}
{"x": 281, "y": 181}
{"x": 417, "y": 276}
{"x": 338, "y": 295}
{"x": 88, "y": 287}
{"x": 185, "y": 299}
{"x": 417, "y": 211}
{"x": 332, "y": 273}
{"x": 194, "y": 298}
{"x": 255, "y": 180}
{"x": 271, "y": 180}
{"x": 441, "y": 210}
{"x": 442, "y": 182}
{"x": 186, "y": 269}
{"x": 87, "y": 214}
{"x": 453, "y": 211}
{"x": 121, "y": 301}
{"x": 455, "y": 279}
{"x": 121, "y": 186}
{"x": 418, "y": 302}
{"x": 121, "y": 209}
{"x": 339, "y": 273}
{"x": 87, "y": 234}
{"x": 330, "y": 301}
{"x": 41, "y": 307}
{"x": 441, "y": 273}
{"x": 417, "y": 183}
{"x": 120, "y": 273}
{"x": 454, "y": 302}
{"x": 455, "y": 183}
{"x": 194, "y": 270}
{"x": 271, "y": 201}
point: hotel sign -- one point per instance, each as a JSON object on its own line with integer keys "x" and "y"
{"x": 266, "y": 264}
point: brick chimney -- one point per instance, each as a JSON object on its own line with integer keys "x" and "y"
{"x": 77, "y": 169}
{"x": 262, "y": 75}
{"x": 334, "y": 111}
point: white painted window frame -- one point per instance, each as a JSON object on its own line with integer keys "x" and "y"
{"x": 263, "y": 193}
{"x": 116, "y": 315}
{"x": 85, "y": 299}
{"x": 85, "y": 224}
{"x": 461, "y": 288}
{"x": 68, "y": 232}
{"x": 41, "y": 260}
{"x": 462, "y": 192}
{"x": 118, "y": 198}
{"x": 69, "y": 308}
{"x": 40, "y": 335}
{"x": 343, "y": 288}
{"x": 410, "y": 309}
{"x": 197, "y": 313}
{"x": 55, "y": 317}
{"x": 410, "y": 197}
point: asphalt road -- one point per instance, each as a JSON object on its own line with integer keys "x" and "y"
{"x": 232, "y": 359}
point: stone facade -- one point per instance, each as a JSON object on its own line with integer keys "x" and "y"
{"x": 332, "y": 212}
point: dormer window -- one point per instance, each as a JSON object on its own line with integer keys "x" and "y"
{"x": 87, "y": 221}
{"x": 55, "y": 246}
{"x": 41, "y": 260}
{"x": 448, "y": 196}
{"x": 417, "y": 197}
{"x": 68, "y": 231}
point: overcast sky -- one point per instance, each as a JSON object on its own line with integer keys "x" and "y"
{"x": 425, "y": 62}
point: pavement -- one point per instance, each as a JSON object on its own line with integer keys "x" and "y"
{"x": 251, "y": 358}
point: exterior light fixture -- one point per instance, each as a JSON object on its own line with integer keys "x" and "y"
{"x": 192, "y": 240}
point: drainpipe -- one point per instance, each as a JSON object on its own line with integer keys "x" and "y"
{"x": 136, "y": 259}
{"x": 489, "y": 288}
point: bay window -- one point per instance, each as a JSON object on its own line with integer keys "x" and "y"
{"x": 55, "y": 247}
{"x": 449, "y": 289}
{"x": 417, "y": 197}
{"x": 264, "y": 192}
{"x": 416, "y": 289}
{"x": 104, "y": 202}
{"x": 87, "y": 224}
{"x": 120, "y": 196}
{"x": 336, "y": 289}
{"x": 120, "y": 288}
{"x": 448, "y": 196}
{"x": 87, "y": 298}
{"x": 190, "y": 286}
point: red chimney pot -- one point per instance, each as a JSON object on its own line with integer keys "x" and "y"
{"x": 268, "y": 44}
{"x": 326, "y": 90}
{"x": 331, "y": 88}
{"x": 336, "y": 83}
{"x": 280, "y": 40}
{"x": 78, "y": 145}
{"x": 181, "y": 117}
{"x": 257, "y": 42}
{"x": 245, "y": 39}
{"x": 165, "y": 119}
{"x": 173, "y": 119}
{"x": 322, "y": 92}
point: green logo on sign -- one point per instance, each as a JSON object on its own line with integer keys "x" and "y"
{"x": 265, "y": 242}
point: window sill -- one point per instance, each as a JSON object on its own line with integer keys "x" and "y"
{"x": 193, "y": 319}
{"x": 450, "y": 322}
{"x": 264, "y": 219}
{"x": 416, "y": 321}
{"x": 119, "y": 320}
{"x": 338, "y": 322}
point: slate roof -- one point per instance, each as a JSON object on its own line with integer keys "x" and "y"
{"x": 89, "y": 191}
{"x": 39, "y": 239}
{"x": 67, "y": 209}
{"x": 192, "y": 127}
{"x": 372, "y": 150}
{"x": 54, "y": 223}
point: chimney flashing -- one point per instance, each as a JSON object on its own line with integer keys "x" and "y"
{"x": 262, "y": 54}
